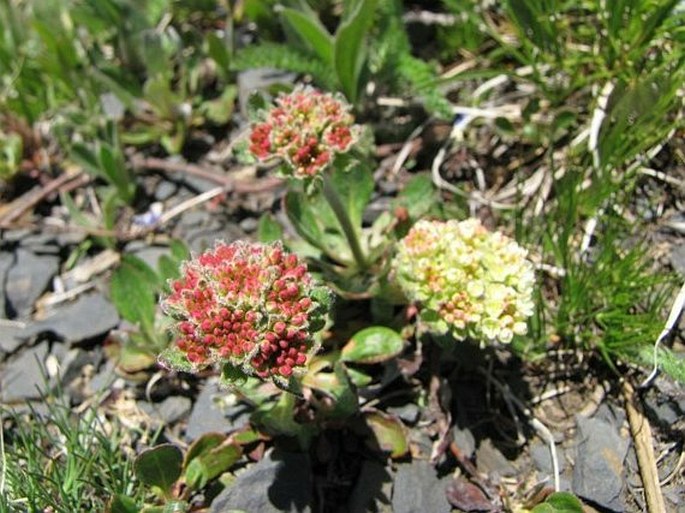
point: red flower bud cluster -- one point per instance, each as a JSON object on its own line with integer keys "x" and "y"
{"x": 305, "y": 129}
{"x": 250, "y": 305}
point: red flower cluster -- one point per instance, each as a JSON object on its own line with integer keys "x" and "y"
{"x": 305, "y": 129}
{"x": 250, "y": 305}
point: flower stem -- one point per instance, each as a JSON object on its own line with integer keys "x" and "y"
{"x": 336, "y": 204}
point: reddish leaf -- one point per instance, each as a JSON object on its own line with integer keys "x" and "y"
{"x": 467, "y": 497}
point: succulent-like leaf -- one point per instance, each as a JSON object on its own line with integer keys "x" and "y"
{"x": 374, "y": 344}
{"x": 389, "y": 432}
{"x": 160, "y": 466}
{"x": 560, "y": 502}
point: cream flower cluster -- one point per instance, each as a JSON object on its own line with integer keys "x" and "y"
{"x": 467, "y": 281}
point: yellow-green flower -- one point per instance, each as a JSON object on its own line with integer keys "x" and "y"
{"x": 467, "y": 281}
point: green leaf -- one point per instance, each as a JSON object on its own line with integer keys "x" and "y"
{"x": 350, "y": 47}
{"x": 358, "y": 378}
{"x": 83, "y": 156}
{"x": 269, "y": 230}
{"x": 338, "y": 386}
{"x": 134, "y": 358}
{"x": 355, "y": 187}
{"x": 417, "y": 196}
{"x": 313, "y": 34}
{"x": 174, "y": 358}
{"x": 373, "y": 345}
{"x": 132, "y": 290}
{"x": 389, "y": 433}
{"x": 205, "y": 443}
{"x": 211, "y": 463}
{"x": 304, "y": 219}
{"x": 220, "y": 110}
{"x": 179, "y": 250}
{"x": 230, "y": 375}
{"x": 160, "y": 466}
{"x": 122, "y": 504}
{"x": 219, "y": 52}
{"x": 560, "y": 502}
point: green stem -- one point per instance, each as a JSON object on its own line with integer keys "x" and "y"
{"x": 336, "y": 204}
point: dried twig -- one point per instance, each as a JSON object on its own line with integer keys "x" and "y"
{"x": 31, "y": 198}
{"x": 642, "y": 436}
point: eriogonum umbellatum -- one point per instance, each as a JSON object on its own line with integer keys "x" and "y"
{"x": 252, "y": 306}
{"x": 305, "y": 129}
{"x": 466, "y": 280}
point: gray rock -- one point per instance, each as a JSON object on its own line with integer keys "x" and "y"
{"x": 373, "y": 489}
{"x": 212, "y": 414}
{"x": 598, "y": 470}
{"x": 6, "y": 261}
{"x": 165, "y": 190}
{"x": 41, "y": 243}
{"x": 678, "y": 258}
{"x": 168, "y": 411}
{"x": 542, "y": 459}
{"x": 464, "y": 440}
{"x": 249, "y": 224}
{"x": 87, "y": 317}
{"x": 103, "y": 378}
{"x": 26, "y": 280}
{"x": 279, "y": 482}
{"x": 417, "y": 489}
{"x": 197, "y": 184}
{"x": 12, "y": 337}
{"x": 492, "y": 462}
{"x": 23, "y": 376}
{"x": 409, "y": 413}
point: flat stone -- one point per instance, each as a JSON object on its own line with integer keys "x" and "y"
{"x": 417, "y": 489}
{"x": 491, "y": 461}
{"x": 678, "y": 258}
{"x": 249, "y": 224}
{"x": 6, "y": 261}
{"x": 89, "y": 316}
{"x": 464, "y": 440}
{"x": 542, "y": 459}
{"x": 280, "y": 482}
{"x": 12, "y": 337}
{"x": 104, "y": 378}
{"x": 598, "y": 470}
{"x": 211, "y": 413}
{"x": 409, "y": 412}
{"x": 373, "y": 489}
{"x": 165, "y": 190}
{"x": 170, "y": 410}
{"x": 26, "y": 280}
{"x": 23, "y": 376}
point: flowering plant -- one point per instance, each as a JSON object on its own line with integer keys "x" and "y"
{"x": 313, "y": 135}
{"x": 245, "y": 306}
{"x": 468, "y": 281}
{"x": 305, "y": 130}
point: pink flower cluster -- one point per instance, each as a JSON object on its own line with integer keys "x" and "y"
{"x": 305, "y": 129}
{"x": 249, "y": 305}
